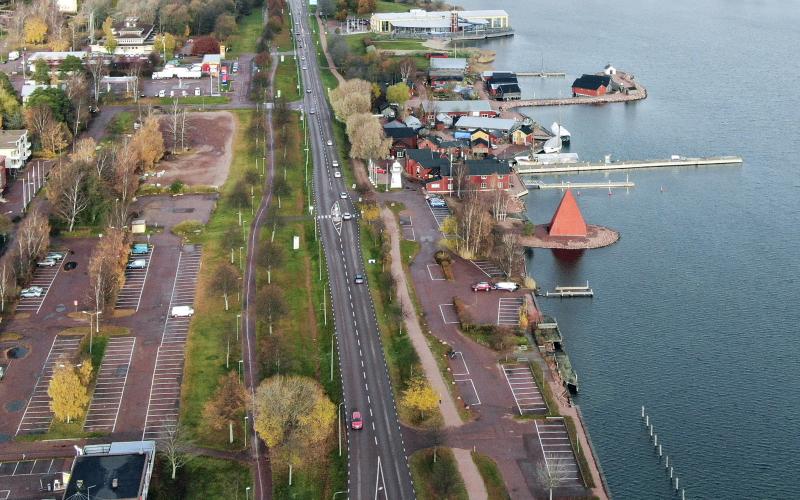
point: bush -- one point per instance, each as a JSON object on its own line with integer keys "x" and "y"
{"x": 498, "y": 338}
{"x": 176, "y": 187}
{"x": 187, "y": 228}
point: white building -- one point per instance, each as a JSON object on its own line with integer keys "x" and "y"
{"x": 67, "y": 6}
{"x": 421, "y": 22}
{"x": 133, "y": 38}
{"x": 53, "y": 59}
{"x": 16, "y": 148}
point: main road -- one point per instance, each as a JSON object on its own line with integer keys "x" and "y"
{"x": 377, "y": 461}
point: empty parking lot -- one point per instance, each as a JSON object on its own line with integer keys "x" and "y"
{"x": 110, "y": 385}
{"x": 488, "y": 268}
{"x": 559, "y": 457}
{"x": 508, "y": 311}
{"x": 131, "y": 294}
{"x": 524, "y": 389}
{"x": 439, "y": 214}
{"x": 37, "y": 416}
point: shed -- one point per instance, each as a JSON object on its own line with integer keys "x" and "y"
{"x": 138, "y": 226}
{"x": 591, "y": 85}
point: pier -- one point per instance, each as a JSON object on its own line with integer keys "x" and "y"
{"x": 526, "y": 167}
{"x": 635, "y": 94}
{"x": 571, "y": 291}
{"x": 578, "y": 185}
{"x": 543, "y": 74}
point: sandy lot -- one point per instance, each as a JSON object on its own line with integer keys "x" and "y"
{"x": 210, "y": 139}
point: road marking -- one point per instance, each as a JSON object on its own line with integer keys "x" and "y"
{"x": 444, "y": 318}
{"x": 438, "y": 268}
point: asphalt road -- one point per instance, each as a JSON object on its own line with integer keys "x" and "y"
{"x": 377, "y": 465}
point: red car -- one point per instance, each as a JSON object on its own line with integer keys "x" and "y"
{"x": 483, "y": 286}
{"x": 356, "y": 423}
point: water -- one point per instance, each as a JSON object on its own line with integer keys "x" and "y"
{"x": 696, "y": 312}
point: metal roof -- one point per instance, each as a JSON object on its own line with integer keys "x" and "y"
{"x": 448, "y": 63}
{"x": 472, "y": 122}
{"x": 456, "y": 106}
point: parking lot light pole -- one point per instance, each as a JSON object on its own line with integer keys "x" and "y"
{"x": 238, "y": 318}
{"x": 245, "y": 431}
{"x": 247, "y": 493}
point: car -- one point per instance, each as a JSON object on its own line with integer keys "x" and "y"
{"x": 46, "y": 263}
{"x": 482, "y": 286}
{"x": 330, "y": 142}
{"x": 140, "y": 249}
{"x": 437, "y": 203}
{"x": 337, "y": 174}
{"x": 181, "y": 312}
{"x": 56, "y": 255}
{"x": 308, "y": 91}
{"x": 142, "y": 94}
{"x": 302, "y": 58}
{"x": 508, "y": 286}
{"x": 356, "y": 422}
{"x": 172, "y": 93}
{"x": 69, "y": 266}
{"x": 197, "y": 91}
{"x": 304, "y": 68}
{"x": 312, "y": 111}
{"x": 184, "y": 93}
{"x": 343, "y": 195}
{"x": 359, "y": 279}
{"x": 32, "y": 291}
{"x": 347, "y": 216}
{"x": 137, "y": 264}
{"x": 162, "y": 93}
{"x": 380, "y": 170}
{"x": 335, "y": 163}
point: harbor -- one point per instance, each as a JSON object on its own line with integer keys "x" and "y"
{"x": 543, "y": 74}
{"x": 534, "y": 184}
{"x": 527, "y": 167}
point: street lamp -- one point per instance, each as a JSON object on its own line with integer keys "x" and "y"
{"x": 238, "y": 317}
{"x": 339, "y": 418}
{"x": 97, "y": 326}
{"x": 245, "y": 431}
{"x": 247, "y": 493}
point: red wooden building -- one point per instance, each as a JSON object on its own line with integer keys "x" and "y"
{"x": 479, "y": 175}
{"x": 591, "y": 85}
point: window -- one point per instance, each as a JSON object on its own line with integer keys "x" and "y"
{"x": 435, "y": 186}
{"x": 483, "y": 177}
{"x": 499, "y": 185}
{"x": 483, "y": 185}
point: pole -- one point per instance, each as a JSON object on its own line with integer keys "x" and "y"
{"x": 332, "y": 358}
{"x": 245, "y": 431}
{"x": 238, "y": 317}
{"x": 230, "y": 432}
{"x": 324, "y": 308}
{"x": 228, "y": 355}
{"x": 339, "y": 419}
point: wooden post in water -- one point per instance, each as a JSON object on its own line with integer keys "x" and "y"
{"x": 659, "y": 451}
{"x": 642, "y": 411}
{"x": 670, "y": 472}
{"x": 655, "y": 440}
{"x": 666, "y": 464}
{"x": 677, "y": 480}
{"x": 647, "y": 420}
{"x": 683, "y": 494}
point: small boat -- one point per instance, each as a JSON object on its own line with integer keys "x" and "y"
{"x": 558, "y": 130}
{"x": 552, "y": 145}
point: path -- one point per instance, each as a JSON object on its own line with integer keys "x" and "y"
{"x": 469, "y": 471}
{"x": 323, "y": 40}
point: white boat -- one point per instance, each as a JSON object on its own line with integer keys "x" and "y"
{"x": 559, "y": 131}
{"x": 552, "y": 145}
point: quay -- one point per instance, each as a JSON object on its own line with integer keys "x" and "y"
{"x": 526, "y": 167}
{"x": 578, "y": 185}
{"x": 543, "y": 74}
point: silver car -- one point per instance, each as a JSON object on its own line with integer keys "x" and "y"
{"x": 33, "y": 291}
{"x": 137, "y": 264}
{"x": 46, "y": 263}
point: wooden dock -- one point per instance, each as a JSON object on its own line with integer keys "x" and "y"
{"x": 526, "y": 167}
{"x": 571, "y": 291}
{"x": 578, "y": 185}
{"x": 543, "y": 74}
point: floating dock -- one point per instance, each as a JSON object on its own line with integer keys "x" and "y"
{"x": 543, "y": 74}
{"x": 578, "y": 185}
{"x": 571, "y": 291}
{"x": 526, "y": 167}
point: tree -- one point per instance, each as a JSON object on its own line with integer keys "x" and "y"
{"x": 350, "y": 97}
{"x": 32, "y": 239}
{"x": 205, "y": 45}
{"x": 68, "y": 392}
{"x": 52, "y": 135}
{"x": 227, "y": 404}
{"x": 97, "y": 68}
{"x": 35, "y": 30}
{"x": 398, "y": 93}
{"x": 66, "y": 190}
{"x": 107, "y": 267}
{"x": 225, "y": 280}
{"x": 148, "y": 143}
{"x": 460, "y": 178}
{"x": 366, "y": 6}
{"x": 108, "y": 33}
{"x": 420, "y": 396}
{"x": 78, "y": 95}
{"x": 70, "y": 64}
{"x": 367, "y": 138}
{"x": 509, "y": 254}
{"x": 326, "y": 7}
{"x": 225, "y": 26}
{"x": 175, "y": 447}
{"x": 554, "y": 472}
{"x": 8, "y": 285}
{"x": 84, "y": 150}
{"x": 9, "y": 106}
{"x": 54, "y": 98}
{"x": 164, "y": 45}
{"x": 270, "y": 304}
{"x": 407, "y": 68}
{"x": 293, "y": 416}
{"x": 41, "y": 72}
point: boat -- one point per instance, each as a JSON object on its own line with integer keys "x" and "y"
{"x": 558, "y": 130}
{"x": 552, "y": 145}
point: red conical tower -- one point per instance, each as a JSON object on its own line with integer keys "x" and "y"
{"x": 568, "y": 221}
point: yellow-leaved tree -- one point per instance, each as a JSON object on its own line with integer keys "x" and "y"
{"x": 149, "y": 143}
{"x": 108, "y": 33}
{"x": 68, "y": 393}
{"x": 35, "y": 30}
{"x": 294, "y": 417}
{"x": 420, "y": 396}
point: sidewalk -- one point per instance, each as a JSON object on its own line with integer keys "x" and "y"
{"x": 323, "y": 40}
{"x": 466, "y": 467}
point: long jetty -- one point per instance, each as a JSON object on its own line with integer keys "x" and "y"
{"x": 543, "y": 74}
{"x": 636, "y": 94}
{"x": 578, "y": 185}
{"x": 525, "y": 167}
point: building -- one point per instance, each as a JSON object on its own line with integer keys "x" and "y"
{"x": 478, "y": 175}
{"x": 425, "y": 164}
{"x": 53, "y": 59}
{"x": 402, "y": 138}
{"x": 480, "y": 142}
{"x": 502, "y": 85}
{"x": 211, "y": 64}
{"x": 112, "y": 471}
{"x": 498, "y": 127}
{"x": 421, "y": 23}
{"x": 3, "y": 182}
{"x": 523, "y": 136}
{"x": 133, "y": 38}
{"x": 591, "y": 85}
{"x": 16, "y": 148}
{"x": 456, "y": 109}
{"x": 444, "y": 69}
{"x": 67, "y": 6}
{"x": 568, "y": 221}
{"x": 507, "y": 92}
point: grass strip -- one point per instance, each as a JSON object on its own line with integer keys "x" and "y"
{"x": 492, "y": 479}
{"x": 438, "y": 479}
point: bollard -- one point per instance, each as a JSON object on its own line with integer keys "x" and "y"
{"x": 651, "y": 431}
{"x": 683, "y": 494}
{"x": 666, "y": 464}
{"x": 670, "y": 473}
{"x": 659, "y": 450}
{"x": 647, "y": 420}
{"x": 677, "y": 479}
{"x": 655, "y": 440}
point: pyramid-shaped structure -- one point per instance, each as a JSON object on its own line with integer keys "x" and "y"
{"x": 568, "y": 221}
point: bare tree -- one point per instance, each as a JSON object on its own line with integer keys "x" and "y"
{"x": 33, "y": 238}
{"x": 500, "y": 200}
{"x": 126, "y": 181}
{"x": 175, "y": 447}
{"x": 107, "y": 267}
{"x": 226, "y": 280}
{"x": 407, "y": 68}
{"x": 66, "y": 190}
{"x": 509, "y": 253}
{"x": 97, "y": 68}
{"x": 78, "y": 94}
{"x": 173, "y": 126}
{"x": 460, "y": 175}
{"x": 553, "y": 474}
{"x": 8, "y": 284}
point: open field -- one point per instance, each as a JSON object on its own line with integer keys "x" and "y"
{"x": 247, "y": 34}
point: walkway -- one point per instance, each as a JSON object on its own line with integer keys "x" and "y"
{"x": 469, "y": 471}
{"x": 323, "y": 40}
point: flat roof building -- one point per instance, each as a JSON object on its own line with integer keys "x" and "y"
{"x": 118, "y": 471}
{"x": 447, "y": 68}
{"x": 497, "y": 125}
{"x": 421, "y": 22}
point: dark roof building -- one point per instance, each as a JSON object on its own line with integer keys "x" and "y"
{"x": 487, "y": 166}
{"x": 591, "y": 85}
{"x": 508, "y": 92}
{"x": 114, "y": 472}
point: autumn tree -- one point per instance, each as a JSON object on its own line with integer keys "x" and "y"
{"x": 125, "y": 180}
{"x": 294, "y": 417}
{"x": 350, "y": 97}
{"x": 226, "y": 280}
{"x": 69, "y": 395}
{"x": 107, "y": 268}
{"x": 164, "y": 45}
{"x": 85, "y": 150}
{"x": 97, "y": 68}
{"x": 367, "y": 138}
{"x": 108, "y": 33}
{"x": 205, "y": 45}
{"x": 67, "y": 191}
{"x": 9, "y": 106}
{"x": 32, "y": 240}
{"x": 270, "y": 304}
{"x": 35, "y": 30}
{"x": 366, "y": 6}
{"x": 508, "y": 253}
{"x": 8, "y": 282}
{"x": 77, "y": 90}
{"x": 228, "y": 403}
{"x": 419, "y": 396}
{"x": 175, "y": 447}
{"x": 148, "y": 143}
{"x": 398, "y": 93}
{"x": 225, "y": 26}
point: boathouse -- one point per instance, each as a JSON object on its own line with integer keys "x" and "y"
{"x": 591, "y": 85}
{"x": 568, "y": 221}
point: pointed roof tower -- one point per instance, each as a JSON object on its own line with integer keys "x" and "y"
{"x": 568, "y": 221}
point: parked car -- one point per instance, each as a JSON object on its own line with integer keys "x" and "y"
{"x": 347, "y": 216}
{"x": 343, "y": 195}
{"x": 13, "y": 55}
{"x": 137, "y": 264}
{"x": 337, "y": 174}
{"x": 140, "y": 249}
{"x": 330, "y": 142}
{"x": 56, "y": 255}
{"x": 380, "y": 170}
{"x": 308, "y": 91}
{"x": 507, "y": 286}
{"x": 359, "y": 279}
{"x": 181, "y": 312}
{"x": 356, "y": 422}
{"x": 482, "y": 286}
{"x": 162, "y": 93}
{"x": 46, "y": 263}
{"x": 437, "y": 203}
{"x": 31, "y": 291}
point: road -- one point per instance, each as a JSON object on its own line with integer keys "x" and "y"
{"x": 377, "y": 461}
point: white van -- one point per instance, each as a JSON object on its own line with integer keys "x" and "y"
{"x": 182, "y": 312}
{"x": 335, "y": 164}
{"x": 13, "y": 55}
{"x": 508, "y": 286}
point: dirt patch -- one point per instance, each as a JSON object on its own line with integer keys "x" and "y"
{"x": 209, "y": 137}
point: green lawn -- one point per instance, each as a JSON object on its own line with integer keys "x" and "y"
{"x": 399, "y": 45}
{"x": 436, "y": 480}
{"x": 247, "y": 34}
{"x": 286, "y": 79}
{"x": 492, "y": 478}
{"x": 385, "y": 6}
{"x": 195, "y": 100}
{"x": 202, "y": 477}
{"x": 356, "y": 43}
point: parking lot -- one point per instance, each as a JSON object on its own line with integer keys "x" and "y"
{"x": 439, "y": 214}
{"x": 508, "y": 311}
{"x": 435, "y": 272}
{"x": 449, "y": 316}
{"x": 165, "y": 388}
{"x": 37, "y": 416}
{"x": 463, "y": 378}
{"x": 559, "y": 457}
{"x": 43, "y": 277}
{"x": 488, "y": 268}
{"x": 524, "y": 389}
{"x": 130, "y": 296}
{"x": 407, "y": 228}
{"x": 34, "y": 467}
{"x": 110, "y": 385}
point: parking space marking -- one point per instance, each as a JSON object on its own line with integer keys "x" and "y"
{"x": 508, "y": 311}
{"x": 559, "y": 457}
{"x": 438, "y": 272}
{"x": 439, "y": 214}
{"x": 488, "y": 268}
{"x": 4, "y": 494}
{"x": 110, "y": 385}
{"x": 452, "y": 313}
{"x": 468, "y": 383}
{"x": 464, "y": 361}
{"x": 165, "y": 387}
{"x": 38, "y": 416}
{"x": 42, "y": 277}
{"x": 524, "y": 389}
{"x": 130, "y": 296}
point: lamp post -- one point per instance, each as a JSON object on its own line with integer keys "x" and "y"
{"x": 339, "y": 419}
{"x": 238, "y": 317}
{"x": 247, "y": 493}
{"x": 97, "y": 326}
{"x": 245, "y": 431}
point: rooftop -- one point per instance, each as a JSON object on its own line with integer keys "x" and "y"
{"x": 419, "y": 14}
{"x": 456, "y": 106}
{"x": 472, "y": 122}
{"x": 428, "y": 158}
{"x": 592, "y": 81}
{"x": 448, "y": 63}
{"x": 10, "y": 137}
{"x": 487, "y": 166}
{"x": 115, "y": 471}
